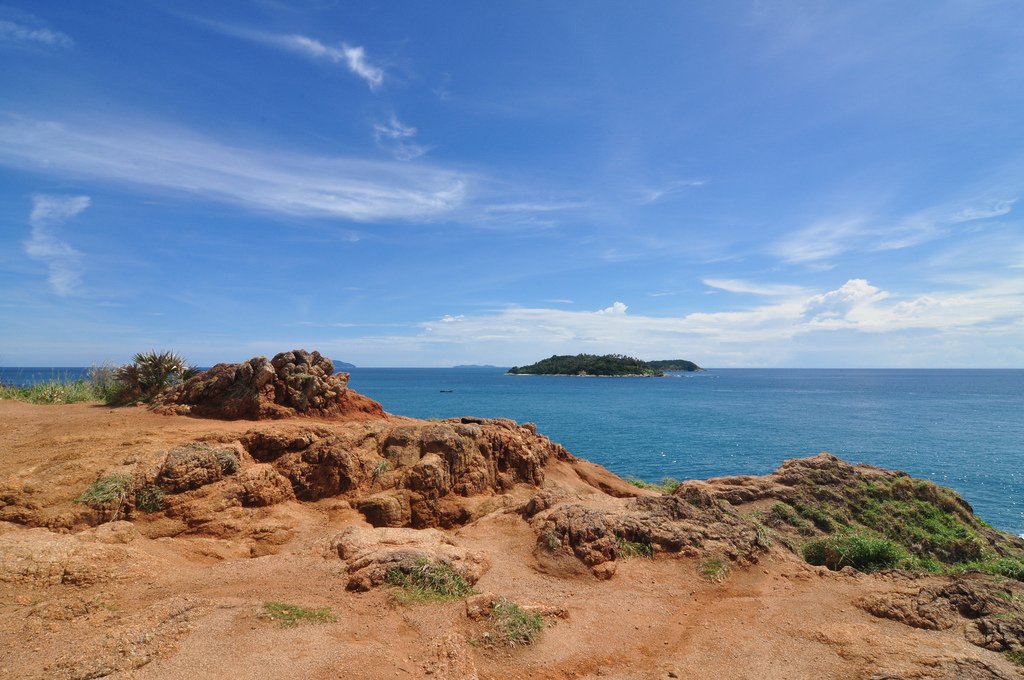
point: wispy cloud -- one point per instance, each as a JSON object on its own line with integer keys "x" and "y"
{"x": 281, "y": 182}
{"x": 48, "y": 214}
{"x": 14, "y": 33}
{"x": 353, "y": 57}
{"x": 655, "y": 194}
{"x": 535, "y": 207}
{"x": 831, "y": 237}
{"x": 396, "y": 137}
{"x": 754, "y": 288}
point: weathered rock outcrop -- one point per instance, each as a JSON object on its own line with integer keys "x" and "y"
{"x": 292, "y": 383}
{"x": 370, "y": 554}
{"x": 990, "y": 614}
{"x": 653, "y": 524}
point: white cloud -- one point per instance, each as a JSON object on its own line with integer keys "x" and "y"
{"x": 856, "y": 324}
{"x": 653, "y": 195}
{"x": 616, "y": 308}
{"x": 396, "y": 136}
{"x": 353, "y": 57}
{"x": 829, "y": 238}
{"x": 753, "y": 288}
{"x": 280, "y": 182}
{"x": 63, "y": 261}
{"x": 535, "y": 207}
{"x": 13, "y": 33}
{"x": 983, "y": 212}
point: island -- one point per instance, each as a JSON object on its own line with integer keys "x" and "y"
{"x": 617, "y": 365}
{"x": 342, "y": 365}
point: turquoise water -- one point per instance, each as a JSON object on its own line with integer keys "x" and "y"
{"x": 960, "y": 428}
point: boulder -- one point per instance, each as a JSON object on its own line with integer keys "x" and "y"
{"x": 292, "y": 383}
{"x": 194, "y": 465}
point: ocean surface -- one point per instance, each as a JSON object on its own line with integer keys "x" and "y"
{"x": 960, "y": 428}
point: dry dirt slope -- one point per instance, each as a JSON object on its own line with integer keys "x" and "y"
{"x": 181, "y": 592}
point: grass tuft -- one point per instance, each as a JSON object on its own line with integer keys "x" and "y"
{"x": 713, "y": 569}
{"x": 1016, "y": 657}
{"x": 667, "y": 485}
{"x": 289, "y": 615}
{"x": 108, "y": 495}
{"x": 858, "y": 550}
{"x": 512, "y": 625}
{"x": 428, "y": 581}
{"x": 629, "y": 548}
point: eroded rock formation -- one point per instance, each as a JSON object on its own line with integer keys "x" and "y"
{"x": 292, "y": 383}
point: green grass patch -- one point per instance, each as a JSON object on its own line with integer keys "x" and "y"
{"x": 427, "y": 581}
{"x": 108, "y": 495}
{"x": 713, "y": 569}
{"x": 1008, "y": 567}
{"x": 289, "y": 615}
{"x": 667, "y": 485}
{"x": 1016, "y": 657}
{"x": 629, "y": 548}
{"x": 855, "y": 549}
{"x": 52, "y": 392}
{"x": 512, "y": 626}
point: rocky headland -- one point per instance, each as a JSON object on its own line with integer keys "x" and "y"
{"x": 166, "y": 541}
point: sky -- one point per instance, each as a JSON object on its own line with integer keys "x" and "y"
{"x": 739, "y": 183}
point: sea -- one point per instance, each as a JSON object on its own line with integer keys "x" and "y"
{"x": 959, "y": 428}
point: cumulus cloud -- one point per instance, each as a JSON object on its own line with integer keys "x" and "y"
{"x": 48, "y": 214}
{"x": 857, "y": 317}
{"x": 14, "y": 33}
{"x": 281, "y": 182}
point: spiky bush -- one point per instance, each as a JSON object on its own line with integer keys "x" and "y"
{"x": 149, "y": 374}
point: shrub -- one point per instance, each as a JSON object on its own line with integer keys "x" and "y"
{"x": 1009, "y": 567}
{"x": 50, "y": 392}
{"x": 107, "y": 495}
{"x": 428, "y": 581}
{"x": 512, "y": 626}
{"x": 857, "y": 550}
{"x": 289, "y": 615}
{"x": 149, "y": 498}
{"x": 149, "y": 374}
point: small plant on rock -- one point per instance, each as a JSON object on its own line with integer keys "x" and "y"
{"x": 227, "y": 460}
{"x": 379, "y": 470}
{"x": 629, "y": 548}
{"x": 108, "y": 495}
{"x": 149, "y": 498}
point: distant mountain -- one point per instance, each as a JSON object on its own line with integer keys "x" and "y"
{"x": 674, "y": 365}
{"x": 342, "y": 365}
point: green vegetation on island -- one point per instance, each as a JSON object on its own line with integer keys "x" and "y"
{"x": 603, "y": 365}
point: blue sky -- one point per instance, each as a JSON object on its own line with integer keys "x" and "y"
{"x": 743, "y": 183}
